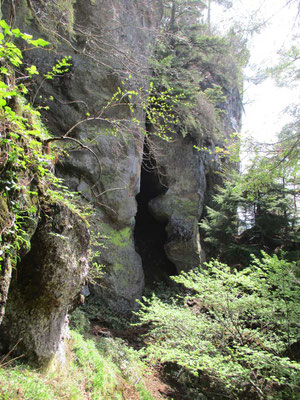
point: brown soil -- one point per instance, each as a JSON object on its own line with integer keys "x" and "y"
{"x": 155, "y": 383}
{"x": 129, "y": 392}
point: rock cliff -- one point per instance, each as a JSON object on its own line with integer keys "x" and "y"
{"x": 109, "y": 43}
{"x": 49, "y": 278}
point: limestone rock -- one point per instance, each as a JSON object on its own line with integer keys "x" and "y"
{"x": 48, "y": 280}
{"x": 123, "y": 280}
{"x": 110, "y": 41}
{"x": 181, "y": 206}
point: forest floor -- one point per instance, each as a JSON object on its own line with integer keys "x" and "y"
{"x": 154, "y": 379}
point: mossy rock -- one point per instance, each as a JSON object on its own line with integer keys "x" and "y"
{"x": 117, "y": 238}
{"x": 164, "y": 206}
{"x": 5, "y": 215}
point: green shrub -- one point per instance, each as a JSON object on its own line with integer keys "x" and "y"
{"x": 236, "y": 328}
{"x": 27, "y": 175}
{"x": 79, "y": 321}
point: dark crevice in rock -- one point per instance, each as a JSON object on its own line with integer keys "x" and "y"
{"x": 150, "y": 235}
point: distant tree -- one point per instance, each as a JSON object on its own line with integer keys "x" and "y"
{"x": 225, "y": 3}
{"x": 258, "y": 210}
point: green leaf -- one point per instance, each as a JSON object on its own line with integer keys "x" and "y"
{"x": 5, "y": 27}
{"x": 32, "y": 70}
{"x": 38, "y": 42}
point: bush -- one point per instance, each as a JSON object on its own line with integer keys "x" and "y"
{"x": 79, "y": 321}
{"x": 236, "y": 328}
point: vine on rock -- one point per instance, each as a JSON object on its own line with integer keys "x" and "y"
{"x": 26, "y": 163}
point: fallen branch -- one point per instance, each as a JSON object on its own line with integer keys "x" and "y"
{"x": 259, "y": 391}
{"x": 10, "y": 351}
{"x": 109, "y": 190}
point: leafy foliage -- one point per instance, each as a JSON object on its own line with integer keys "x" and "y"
{"x": 20, "y": 142}
{"x": 26, "y": 163}
{"x": 201, "y": 68}
{"x": 235, "y": 328}
{"x": 287, "y": 71}
{"x": 221, "y": 224}
{"x": 244, "y": 219}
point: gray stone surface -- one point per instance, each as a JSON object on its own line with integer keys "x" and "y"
{"x": 181, "y": 206}
{"x": 48, "y": 281}
{"x": 111, "y": 40}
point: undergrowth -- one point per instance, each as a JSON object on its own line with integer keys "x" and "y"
{"x": 237, "y": 330}
{"x": 93, "y": 370}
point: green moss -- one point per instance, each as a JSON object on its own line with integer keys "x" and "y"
{"x": 118, "y": 238}
{"x": 25, "y": 12}
{"x": 121, "y": 238}
{"x": 187, "y": 207}
{"x": 118, "y": 267}
{"x": 67, "y": 8}
{"x": 48, "y": 15}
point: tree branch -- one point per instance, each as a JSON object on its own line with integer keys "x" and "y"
{"x": 64, "y": 138}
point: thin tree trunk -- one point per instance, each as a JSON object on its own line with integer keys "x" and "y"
{"x": 173, "y": 13}
{"x": 209, "y": 16}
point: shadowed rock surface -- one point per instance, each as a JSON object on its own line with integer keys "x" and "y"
{"x": 47, "y": 282}
{"x": 108, "y": 41}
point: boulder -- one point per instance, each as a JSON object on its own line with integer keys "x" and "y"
{"x": 47, "y": 282}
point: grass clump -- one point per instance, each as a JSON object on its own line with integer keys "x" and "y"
{"x": 22, "y": 383}
{"x": 86, "y": 375}
{"x": 94, "y": 370}
{"x": 100, "y": 375}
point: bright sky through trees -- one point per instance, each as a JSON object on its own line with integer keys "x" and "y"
{"x": 263, "y": 114}
{"x": 265, "y": 102}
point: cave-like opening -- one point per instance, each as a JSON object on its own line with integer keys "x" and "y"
{"x": 149, "y": 234}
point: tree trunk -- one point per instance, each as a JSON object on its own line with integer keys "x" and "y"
{"x": 209, "y": 16}
{"x": 173, "y": 13}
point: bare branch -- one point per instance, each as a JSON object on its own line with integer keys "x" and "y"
{"x": 109, "y": 190}
{"x": 64, "y": 138}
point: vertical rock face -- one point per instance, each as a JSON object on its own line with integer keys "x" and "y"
{"x": 188, "y": 175}
{"x": 49, "y": 279}
{"x": 109, "y": 41}
{"x": 181, "y": 206}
